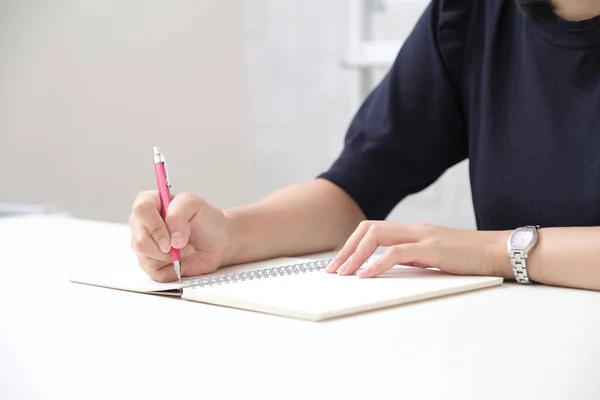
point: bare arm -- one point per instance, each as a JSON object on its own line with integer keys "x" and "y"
{"x": 568, "y": 257}
{"x": 299, "y": 219}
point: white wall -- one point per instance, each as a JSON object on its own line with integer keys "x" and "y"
{"x": 300, "y": 97}
{"x": 302, "y": 100}
{"x": 243, "y": 96}
{"x": 88, "y": 87}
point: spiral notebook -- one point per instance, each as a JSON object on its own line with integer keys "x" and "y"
{"x": 300, "y": 288}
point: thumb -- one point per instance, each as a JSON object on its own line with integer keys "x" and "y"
{"x": 181, "y": 210}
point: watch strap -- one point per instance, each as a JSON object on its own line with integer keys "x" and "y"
{"x": 519, "y": 266}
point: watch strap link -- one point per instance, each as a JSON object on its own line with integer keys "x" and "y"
{"x": 519, "y": 266}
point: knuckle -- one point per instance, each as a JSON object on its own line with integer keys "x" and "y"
{"x": 183, "y": 204}
{"x": 421, "y": 227}
{"x": 377, "y": 266}
{"x": 394, "y": 252}
{"x": 188, "y": 197}
{"x": 376, "y": 234}
{"x": 433, "y": 242}
{"x": 144, "y": 196}
{"x": 139, "y": 244}
{"x": 364, "y": 225}
{"x": 374, "y": 230}
{"x": 142, "y": 207}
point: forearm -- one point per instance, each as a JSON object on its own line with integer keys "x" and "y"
{"x": 568, "y": 257}
{"x": 299, "y": 219}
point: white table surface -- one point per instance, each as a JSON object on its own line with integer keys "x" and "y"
{"x": 61, "y": 340}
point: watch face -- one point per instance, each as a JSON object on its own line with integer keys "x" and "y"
{"x": 521, "y": 239}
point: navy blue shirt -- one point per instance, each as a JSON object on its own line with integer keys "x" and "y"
{"x": 517, "y": 94}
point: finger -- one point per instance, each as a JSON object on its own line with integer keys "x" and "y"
{"x": 181, "y": 210}
{"x": 366, "y": 247}
{"x": 156, "y": 261}
{"x": 149, "y": 265}
{"x": 399, "y": 233}
{"x": 409, "y": 253}
{"x": 381, "y": 234}
{"x": 143, "y": 243}
{"x": 164, "y": 274}
{"x": 350, "y": 246}
{"x": 146, "y": 212}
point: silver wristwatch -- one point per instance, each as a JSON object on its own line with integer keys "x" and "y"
{"x": 519, "y": 244}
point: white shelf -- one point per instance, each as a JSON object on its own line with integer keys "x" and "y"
{"x": 364, "y": 51}
{"x": 373, "y": 54}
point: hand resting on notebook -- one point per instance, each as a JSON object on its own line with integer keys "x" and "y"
{"x": 461, "y": 252}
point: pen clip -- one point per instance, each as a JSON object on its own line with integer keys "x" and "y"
{"x": 159, "y": 157}
{"x": 168, "y": 182}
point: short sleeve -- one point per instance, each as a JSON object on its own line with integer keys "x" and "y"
{"x": 410, "y": 129}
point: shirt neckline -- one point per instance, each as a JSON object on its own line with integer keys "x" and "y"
{"x": 572, "y": 34}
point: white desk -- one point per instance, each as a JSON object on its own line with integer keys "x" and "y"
{"x": 60, "y": 340}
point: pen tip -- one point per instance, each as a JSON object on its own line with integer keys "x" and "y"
{"x": 177, "y": 265}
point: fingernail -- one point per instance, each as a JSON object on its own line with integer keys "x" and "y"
{"x": 333, "y": 263}
{"x": 331, "y": 266}
{"x": 164, "y": 246}
{"x": 343, "y": 268}
{"x": 363, "y": 273}
{"x": 177, "y": 239}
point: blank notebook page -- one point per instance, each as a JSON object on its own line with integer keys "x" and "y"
{"x": 320, "y": 295}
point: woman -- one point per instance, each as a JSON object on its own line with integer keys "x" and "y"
{"x": 512, "y": 85}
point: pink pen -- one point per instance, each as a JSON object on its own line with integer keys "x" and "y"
{"x": 164, "y": 185}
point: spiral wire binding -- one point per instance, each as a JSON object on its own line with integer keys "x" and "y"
{"x": 257, "y": 274}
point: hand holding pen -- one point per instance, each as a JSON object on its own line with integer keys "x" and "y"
{"x": 166, "y": 229}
